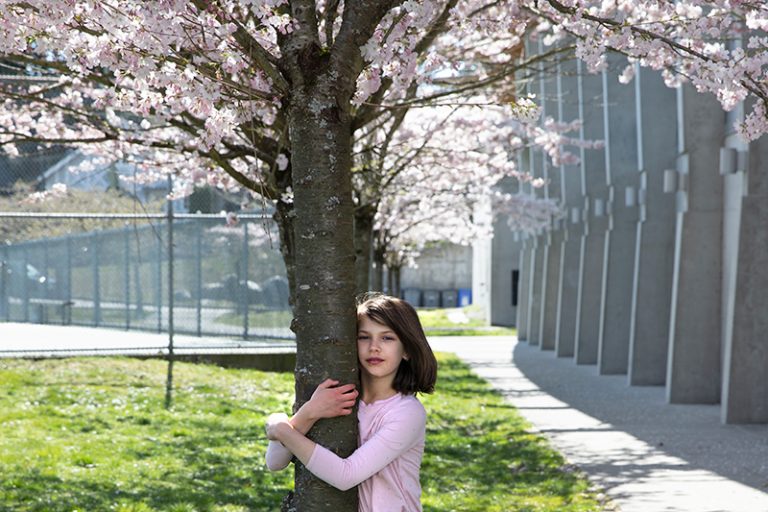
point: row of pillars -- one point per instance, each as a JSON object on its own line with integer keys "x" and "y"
{"x": 659, "y": 269}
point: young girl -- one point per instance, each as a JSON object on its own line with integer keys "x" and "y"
{"x": 396, "y": 362}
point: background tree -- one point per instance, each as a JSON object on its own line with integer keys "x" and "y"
{"x": 421, "y": 180}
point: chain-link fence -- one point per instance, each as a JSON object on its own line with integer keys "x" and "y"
{"x": 187, "y": 274}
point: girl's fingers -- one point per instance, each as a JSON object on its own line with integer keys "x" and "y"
{"x": 346, "y": 388}
{"x": 327, "y": 383}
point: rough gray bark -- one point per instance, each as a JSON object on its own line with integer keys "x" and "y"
{"x": 324, "y": 320}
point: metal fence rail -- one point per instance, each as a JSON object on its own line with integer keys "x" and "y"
{"x": 176, "y": 273}
{"x": 158, "y": 351}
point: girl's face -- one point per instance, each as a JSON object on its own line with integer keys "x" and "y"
{"x": 378, "y": 349}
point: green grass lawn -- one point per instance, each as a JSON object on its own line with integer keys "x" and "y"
{"x": 258, "y": 318}
{"x": 92, "y": 435}
{"x": 465, "y": 321}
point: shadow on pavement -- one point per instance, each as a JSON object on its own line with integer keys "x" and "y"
{"x": 692, "y": 433}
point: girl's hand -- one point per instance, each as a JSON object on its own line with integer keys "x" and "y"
{"x": 275, "y": 422}
{"x": 327, "y": 402}
{"x": 330, "y": 400}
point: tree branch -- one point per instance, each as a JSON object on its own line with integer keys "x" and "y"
{"x": 753, "y": 87}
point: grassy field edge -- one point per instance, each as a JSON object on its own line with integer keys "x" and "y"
{"x": 91, "y": 434}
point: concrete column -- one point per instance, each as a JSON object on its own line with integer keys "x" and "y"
{"x": 524, "y": 290}
{"x": 550, "y": 99}
{"x": 693, "y": 366}
{"x": 595, "y": 221}
{"x": 553, "y": 251}
{"x": 505, "y": 250}
{"x": 569, "y": 288}
{"x": 538, "y": 258}
{"x": 526, "y": 261}
{"x": 745, "y": 377}
{"x": 482, "y": 251}
{"x": 537, "y": 273}
{"x": 623, "y": 175}
{"x": 539, "y": 169}
{"x": 652, "y": 287}
{"x": 572, "y": 195}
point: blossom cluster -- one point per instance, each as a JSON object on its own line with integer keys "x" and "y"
{"x": 716, "y": 45}
{"x": 194, "y": 89}
{"x": 441, "y": 164}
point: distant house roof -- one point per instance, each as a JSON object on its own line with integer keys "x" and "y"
{"x": 29, "y": 167}
{"x": 34, "y": 159}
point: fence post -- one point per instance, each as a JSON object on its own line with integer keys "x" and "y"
{"x": 4, "y": 309}
{"x": 95, "y": 245}
{"x": 138, "y": 267}
{"x": 159, "y": 284}
{"x": 47, "y": 271}
{"x": 25, "y": 283}
{"x": 245, "y": 289}
{"x": 170, "y": 272}
{"x": 127, "y": 274}
{"x": 169, "y": 378}
{"x": 68, "y": 279}
{"x": 199, "y": 268}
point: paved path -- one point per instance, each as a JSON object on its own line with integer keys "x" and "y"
{"x": 648, "y": 456}
{"x": 33, "y": 340}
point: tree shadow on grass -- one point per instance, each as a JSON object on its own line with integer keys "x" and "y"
{"x": 481, "y": 456}
{"x": 49, "y": 493}
{"x": 97, "y": 447}
{"x": 204, "y": 473}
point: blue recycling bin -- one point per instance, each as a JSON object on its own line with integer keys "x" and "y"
{"x": 412, "y": 296}
{"x": 449, "y": 298}
{"x": 431, "y": 299}
{"x": 465, "y": 297}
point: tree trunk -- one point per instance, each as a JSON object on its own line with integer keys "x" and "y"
{"x": 378, "y": 271}
{"x": 363, "y": 242}
{"x": 284, "y": 217}
{"x": 396, "y": 280}
{"x": 324, "y": 319}
{"x": 321, "y": 82}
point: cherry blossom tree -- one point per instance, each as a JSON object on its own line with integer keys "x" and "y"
{"x": 268, "y": 95}
{"x": 420, "y": 185}
{"x": 261, "y": 94}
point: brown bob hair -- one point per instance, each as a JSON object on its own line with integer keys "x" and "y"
{"x": 418, "y": 373}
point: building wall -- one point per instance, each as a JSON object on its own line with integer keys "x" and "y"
{"x": 445, "y": 267}
{"x": 668, "y": 276}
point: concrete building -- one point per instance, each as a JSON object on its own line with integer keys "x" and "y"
{"x": 659, "y": 270}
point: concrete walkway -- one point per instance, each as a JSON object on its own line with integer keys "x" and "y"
{"x": 34, "y": 340}
{"x": 647, "y": 455}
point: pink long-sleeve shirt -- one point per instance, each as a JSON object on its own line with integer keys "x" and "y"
{"x": 385, "y": 466}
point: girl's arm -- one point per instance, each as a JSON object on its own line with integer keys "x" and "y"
{"x": 278, "y": 456}
{"x": 280, "y": 432}
{"x": 398, "y": 434}
{"x": 328, "y": 401}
